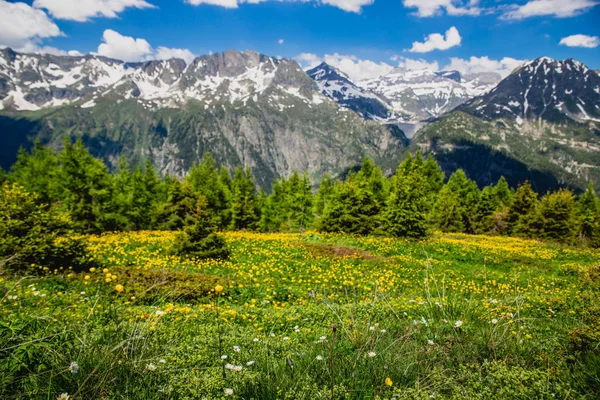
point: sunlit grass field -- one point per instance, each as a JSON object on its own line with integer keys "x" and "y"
{"x": 307, "y": 316}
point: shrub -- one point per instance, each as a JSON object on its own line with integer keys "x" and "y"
{"x": 33, "y": 233}
{"x": 199, "y": 238}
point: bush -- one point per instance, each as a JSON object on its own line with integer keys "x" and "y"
{"x": 199, "y": 239}
{"x": 33, "y": 233}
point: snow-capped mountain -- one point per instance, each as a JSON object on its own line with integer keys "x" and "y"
{"x": 336, "y": 85}
{"x": 35, "y": 81}
{"x": 541, "y": 123}
{"x": 243, "y": 107}
{"x": 423, "y": 94}
{"x": 543, "y": 89}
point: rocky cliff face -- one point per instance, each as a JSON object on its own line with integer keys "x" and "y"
{"x": 243, "y": 107}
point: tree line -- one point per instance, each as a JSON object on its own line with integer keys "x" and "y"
{"x": 414, "y": 202}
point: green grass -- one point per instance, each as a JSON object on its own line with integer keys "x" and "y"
{"x": 455, "y": 316}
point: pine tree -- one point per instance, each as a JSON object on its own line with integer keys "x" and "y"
{"x": 457, "y": 203}
{"x": 447, "y": 213}
{"x": 522, "y": 216}
{"x": 323, "y": 194}
{"x": 371, "y": 176}
{"x": 404, "y": 215}
{"x": 434, "y": 180}
{"x": 38, "y": 172}
{"x": 177, "y": 211}
{"x": 588, "y": 210}
{"x": 245, "y": 214}
{"x": 486, "y": 208}
{"x": 199, "y": 238}
{"x": 87, "y": 187}
{"x": 503, "y": 193}
{"x": 352, "y": 209}
{"x": 300, "y": 202}
{"x": 557, "y": 215}
{"x": 206, "y": 181}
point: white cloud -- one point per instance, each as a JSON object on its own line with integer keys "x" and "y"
{"x": 222, "y": 3}
{"x": 589, "y": 42}
{"x": 409, "y": 63}
{"x": 20, "y": 24}
{"x": 430, "y": 8}
{"x": 166, "y": 53}
{"x": 437, "y": 41}
{"x": 346, "y": 5}
{"x": 349, "y": 5}
{"x": 280, "y": 41}
{"x": 83, "y": 10}
{"x": 123, "y": 48}
{"x": 556, "y": 8}
{"x": 352, "y": 66}
{"x": 308, "y": 60}
{"x": 74, "y": 53}
{"x": 483, "y": 64}
{"x": 127, "y": 48}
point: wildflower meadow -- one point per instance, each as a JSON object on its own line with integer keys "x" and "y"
{"x": 306, "y": 316}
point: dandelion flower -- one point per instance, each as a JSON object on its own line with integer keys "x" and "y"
{"x": 74, "y": 367}
{"x": 228, "y": 392}
{"x": 219, "y": 289}
{"x": 64, "y": 396}
{"x": 319, "y": 358}
{"x": 458, "y": 324}
{"x": 119, "y": 288}
{"x": 87, "y": 278}
{"x": 388, "y": 381}
{"x": 150, "y": 367}
{"x": 494, "y": 321}
{"x": 372, "y": 354}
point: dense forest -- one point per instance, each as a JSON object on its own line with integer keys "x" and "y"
{"x": 73, "y": 191}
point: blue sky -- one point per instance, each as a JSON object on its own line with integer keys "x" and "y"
{"x": 362, "y": 37}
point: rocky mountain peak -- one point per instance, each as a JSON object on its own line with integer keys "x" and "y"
{"x": 543, "y": 89}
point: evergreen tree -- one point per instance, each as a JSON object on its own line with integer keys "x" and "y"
{"x": 434, "y": 180}
{"x": 503, "y": 193}
{"x": 177, "y": 211}
{"x": 206, "y": 181}
{"x": 486, "y": 208}
{"x": 456, "y": 206}
{"x": 557, "y": 216}
{"x": 522, "y": 218}
{"x": 404, "y": 215}
{"x": 38, "y": 172}
{"x": 199, "y": 238}
{"x": 352, "y": 209}
{"x": 371, "y": 176}
{"x": 323, "y": 194}
{"x": 300, "y": 202}
{"x": 87, "y": 187}
{"x": 447, "y": 214}
{"x": 588, "y": 210}
{"x": 245, "y": 214}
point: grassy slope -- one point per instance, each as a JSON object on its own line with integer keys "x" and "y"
{"x": 528, "y": 311}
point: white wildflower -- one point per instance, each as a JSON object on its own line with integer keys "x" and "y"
{"x": 74, "y": 367}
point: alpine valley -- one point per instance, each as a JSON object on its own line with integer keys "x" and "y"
{"x": 541, "y": 123}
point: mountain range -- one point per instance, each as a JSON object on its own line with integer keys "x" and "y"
{"x": 541, "y": 123}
